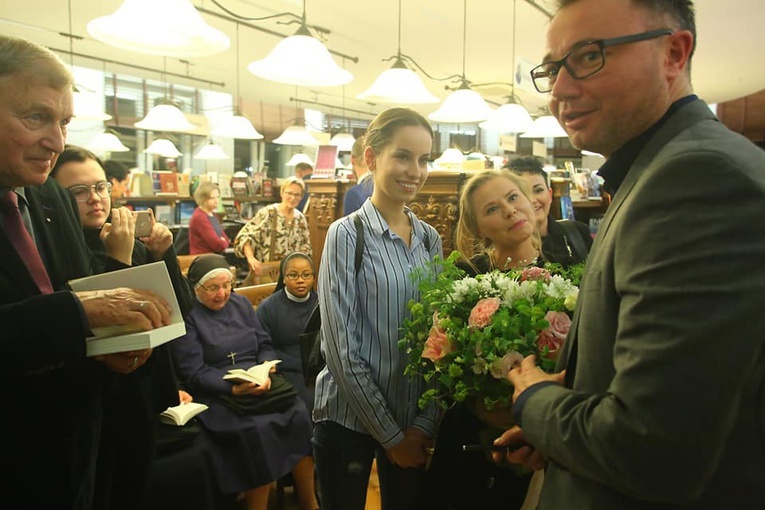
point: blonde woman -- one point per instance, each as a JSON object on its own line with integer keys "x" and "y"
{"x": 275, "y": 231}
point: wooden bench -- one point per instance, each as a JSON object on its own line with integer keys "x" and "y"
{"x": 256, "y": 293}
{"x": 268, "y": 274}
{"x": 184, "y": 261}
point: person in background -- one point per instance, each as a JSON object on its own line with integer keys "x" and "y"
{"x": 564, "y": 241}
{"x": 133, "y": 404}
{"x": 119, "y": 175}
{"x": 248, "y": 451}
{"x": 365, "y": 406}
{"x": 303, "y": 171}
{"x": 284, "y": 315}
{"x": 53, "y": 393}
{"x": 206, "y": 235}
{"x": 358, "y": 194}
{"x": 658, "y": 402}
{"x": 275, "y": 231}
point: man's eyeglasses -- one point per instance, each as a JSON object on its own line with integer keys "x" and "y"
{"x": 213, "y": 289}
{"x": 81, "y": 192}
{"x": 585, "y": 59}
{"x": 294, "y": 276}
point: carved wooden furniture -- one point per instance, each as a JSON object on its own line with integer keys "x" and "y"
{"x": 256, "y": 293}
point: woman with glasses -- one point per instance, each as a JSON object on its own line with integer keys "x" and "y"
{"x": 132, "y": 410}
{"x": 285, "y": 313}
{"x": 248, "y": 450}
{"x": 275, "y": 231}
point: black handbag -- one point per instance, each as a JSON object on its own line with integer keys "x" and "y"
{"x": 310, "y": 348}
{"x": 278, "y": 399}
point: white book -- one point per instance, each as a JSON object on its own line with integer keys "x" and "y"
{"x": 257, "y": 374}
{"x": 153, "y": 277}
{"x": 182, "y": 413}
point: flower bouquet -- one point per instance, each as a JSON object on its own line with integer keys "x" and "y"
{"x": 465, "y": 333}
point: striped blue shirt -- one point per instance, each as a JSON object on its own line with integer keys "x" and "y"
{"x": 363, "y": 386}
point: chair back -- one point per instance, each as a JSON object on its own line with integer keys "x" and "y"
{"x": 269, "y": 274}
{"x": 184, "y": 261}
{"x": 256, "y": 293}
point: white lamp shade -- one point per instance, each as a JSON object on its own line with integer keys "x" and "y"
{"x": 236, "y": 126}
{"x": 398, "y": 85}
{"x": 301, "y": 60}
{"x": 343, "y": 141}
{"x": 462, "y": 105}
{"x": 163, "y": 147}
{"x": 211, "y": 151}
{"x": 171, "y": 28}
{"x": 299, "y": 158}
{"x": 89, "y": 107}
{"x": 546, "y": 126}
{"x": 296, "y": 135}
{"x": 165, "y": 117}
{"x": 106, "y": 142}
{"x": 508, "y": 118}
{"x": 451, "y": 156}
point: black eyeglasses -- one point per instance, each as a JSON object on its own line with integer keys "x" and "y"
{"x": 585, "y": 59}
{"x": 294, "y": 276}
{"x": 81, "y": 192}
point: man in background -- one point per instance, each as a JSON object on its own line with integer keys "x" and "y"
{"x": 53, "y": 394}
{"x": 303, "y": 171}
{"x": 662, "y": 404}
{"x": 358, "y": 194}
{"x": 119, "y": 175}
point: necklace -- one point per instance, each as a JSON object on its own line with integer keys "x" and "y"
{"x": 521, "y": 263}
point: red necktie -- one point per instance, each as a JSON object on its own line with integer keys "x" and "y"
{"x": 22, "y": 241}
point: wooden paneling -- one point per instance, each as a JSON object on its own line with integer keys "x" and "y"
{"x": 745, "y": 115}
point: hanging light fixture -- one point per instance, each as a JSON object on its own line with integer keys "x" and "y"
{"x": 399, "y": 84}
{"x": 301, "y": 59}
{"x": 297, "y": 134}
{"x": 106, "y": 142}
{"x": 510, "y": 117}
{"x": 237, "y": 125}
{"x": 171, "y": 28}
{"x": 210, "y": 151}
{"x": 343, "y": 139}
{"x": 299, "y": 158}
{"x": 165, "y": 115}
{"x": 545, "y": 126}
{"x": 464, "y": 104}
{"x": 163, "y": 147}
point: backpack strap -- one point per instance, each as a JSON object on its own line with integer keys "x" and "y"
{"x": 575, "y": 236}
{"x": 359, "y": 242}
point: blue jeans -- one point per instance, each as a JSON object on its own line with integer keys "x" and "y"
{"x": 343, "y": 460}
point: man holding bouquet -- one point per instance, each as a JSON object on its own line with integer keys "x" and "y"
{"x": 662, "y": 404}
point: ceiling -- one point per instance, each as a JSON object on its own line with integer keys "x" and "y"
{"x": 727, "y": 64}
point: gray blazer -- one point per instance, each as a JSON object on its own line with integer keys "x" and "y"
{"x": 664, "y": 405}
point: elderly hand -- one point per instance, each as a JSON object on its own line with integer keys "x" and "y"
{"x": 119, "y": 235}
{"x": 250, "y": 388}
{"x": 525, "y": 455}
{"x": 528, "y": 374}
{"x": 412, "y": 451}
{"x": 140, "y": 309}
{"x": 125, "y": 362}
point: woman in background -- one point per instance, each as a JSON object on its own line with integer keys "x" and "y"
{"x": 284, "y": 315}
{"x": 366, "y": 407}
{"x": 206, "y": 234}
{"x": 275, "y": 231}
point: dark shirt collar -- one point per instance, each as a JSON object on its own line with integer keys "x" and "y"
{"x": 615, "y": 169}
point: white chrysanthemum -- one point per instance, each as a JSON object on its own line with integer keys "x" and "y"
{"x": 480, "y": 366}
{"x": 462, "y": 288}
{"x": 570, "y": 301}
{"x": 559, "y": 287}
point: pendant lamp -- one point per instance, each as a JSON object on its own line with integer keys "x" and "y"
{"x": 171, "y": 28}
{"x": 297, "y": 135}
{"x": 210, "y": 151}
{"x": 165, "y": 116}
{"x": 399, "y": 84}
{"x": 88, "y": 106}
{"x": 299, "y": 158}
{"x": 343, "y": 139}
{"x": 545, "y": 126}
{"x": 464, "y": 104}
{"x": 237, "y": 125}
{"x": 302, "y": 60}
{"x": 106, "y": 142}
{"x": 163, "y": 147}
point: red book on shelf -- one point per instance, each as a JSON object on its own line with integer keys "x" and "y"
{"x": 168, "y": 182}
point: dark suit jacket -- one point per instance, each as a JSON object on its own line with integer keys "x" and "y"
{"x": 666, "y": 360}
{"x": 51, "y": 391}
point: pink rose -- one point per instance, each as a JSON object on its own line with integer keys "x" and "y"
{"x": 553, "y": 337}
{"x": 534, "y": 273}
{"x": 482, "y": 312}
{"x": 437, "y": 345}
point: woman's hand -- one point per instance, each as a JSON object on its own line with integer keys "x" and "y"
{"x": 159, "y": 241}
{"x": 119, "y": 235}
{"x": 184, "y": 397}
{"x": 250, "y": 388}
{"x": 256, "y": 266}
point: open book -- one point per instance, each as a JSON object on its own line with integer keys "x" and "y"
{"x": 182, "y": 413}
{"x": 257, "y": 374}
{"x": 153, "y": 277}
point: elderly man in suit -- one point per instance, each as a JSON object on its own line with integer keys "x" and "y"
{"x": 663, "y": 400}
{"x": 53, "y": 394}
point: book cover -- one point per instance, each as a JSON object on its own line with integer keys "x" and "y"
{"x": 184, "y": 189}
{"x": 181, "y": 414}
{"x": 168, "y": 183}
{"x": 153, "y": 277}
{"x": 257, "y": 374}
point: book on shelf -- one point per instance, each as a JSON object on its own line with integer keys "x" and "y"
{"x": 181, "y": 414}
{"x": 257, "y": 374}
{"x": 111, "y": 339}
{"x": 168, "y": 183}
{"x": 183, "y": 184}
